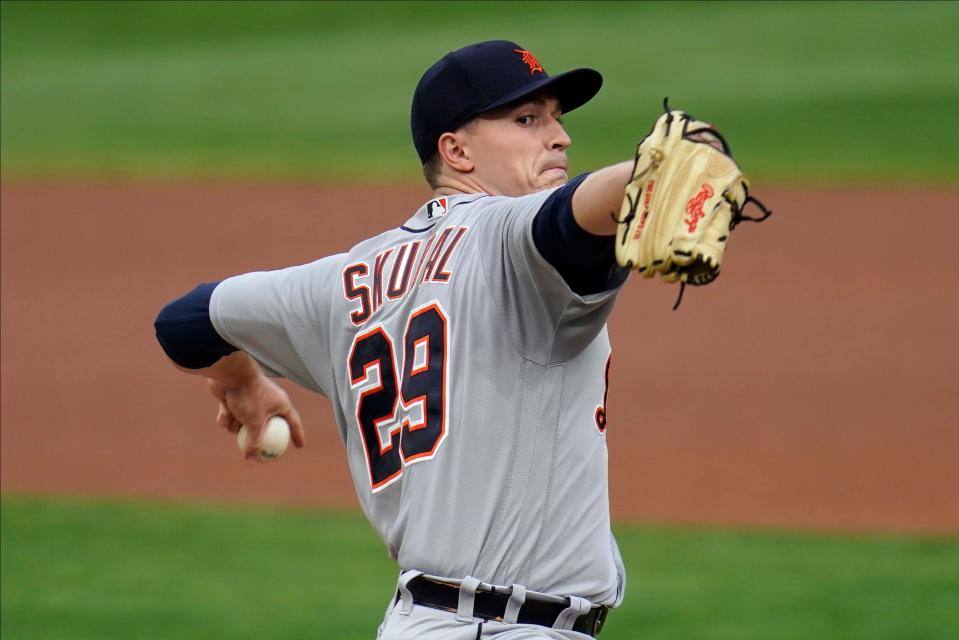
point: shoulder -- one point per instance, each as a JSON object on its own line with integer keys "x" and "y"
{"x": 498, "y": 211}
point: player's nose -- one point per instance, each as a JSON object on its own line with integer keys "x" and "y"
{"x": 557, "y": 136}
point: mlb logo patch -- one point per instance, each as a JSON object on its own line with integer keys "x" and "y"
{"x": 436, "y": 208}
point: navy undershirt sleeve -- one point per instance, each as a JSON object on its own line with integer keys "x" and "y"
{"x": 586, "y": 262}
{"x": 184, "y": 330}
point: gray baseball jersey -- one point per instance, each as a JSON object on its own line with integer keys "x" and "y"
{"x": 468, "y": 385}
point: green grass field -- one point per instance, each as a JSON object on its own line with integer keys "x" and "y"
{"x": 108, "y": 569}
{"x": 829, "y": 92}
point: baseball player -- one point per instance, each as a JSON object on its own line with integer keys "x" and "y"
{"x": 465, "y": 354}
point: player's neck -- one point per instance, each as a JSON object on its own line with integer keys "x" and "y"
{"x": 460, "y": 184}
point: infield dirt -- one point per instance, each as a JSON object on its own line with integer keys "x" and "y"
{"x": 813, "y": 385}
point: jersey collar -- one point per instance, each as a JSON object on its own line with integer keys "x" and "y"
{"x": 435, "y": 210}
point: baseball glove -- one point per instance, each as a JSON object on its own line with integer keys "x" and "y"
{"x": 685, "y": 196}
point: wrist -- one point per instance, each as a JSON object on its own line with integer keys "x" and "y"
{"x": 235, "y": 371}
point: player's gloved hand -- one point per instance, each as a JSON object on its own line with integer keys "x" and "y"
{"x": 248, "y": 397}
{"x": 685, "y": 196}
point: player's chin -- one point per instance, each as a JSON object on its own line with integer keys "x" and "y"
{"x": 552, "y": 178}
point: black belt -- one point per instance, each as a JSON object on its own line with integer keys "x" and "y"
{"x": 492, "y": 606}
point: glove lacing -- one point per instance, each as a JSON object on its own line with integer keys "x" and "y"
{"x": 737, "y": 217}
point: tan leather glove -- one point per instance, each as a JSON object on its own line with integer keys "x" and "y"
{"x": 685, "y": 196}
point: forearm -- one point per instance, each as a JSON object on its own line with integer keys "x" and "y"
{"x": 235, "y": 371}
{"x": 596, "y": 203}
{"x": 187, "y": 335}
{"x": 585, "y": 260}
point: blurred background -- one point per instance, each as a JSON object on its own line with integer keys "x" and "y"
{"x": 782, "y": 448}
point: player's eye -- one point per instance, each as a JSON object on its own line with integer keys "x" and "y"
{"x": 525, "y": 120}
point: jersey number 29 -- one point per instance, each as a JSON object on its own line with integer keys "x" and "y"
{"x": 411, "y": 409}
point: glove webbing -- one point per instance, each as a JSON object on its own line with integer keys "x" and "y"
{"x": 737, "y": 217}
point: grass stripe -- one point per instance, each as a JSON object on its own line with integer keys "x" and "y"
{"x": 104, "y": 569}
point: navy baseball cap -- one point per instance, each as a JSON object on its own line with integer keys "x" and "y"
{"x": 484, "y": 76}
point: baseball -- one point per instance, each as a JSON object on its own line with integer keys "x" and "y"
{"x": 276, "y": 438}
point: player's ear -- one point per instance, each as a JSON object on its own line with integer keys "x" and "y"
{"x": 451, "y": 148}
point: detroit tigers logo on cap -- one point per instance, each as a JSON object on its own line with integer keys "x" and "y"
{"x": 436, "y": 208}
{"x": 530, "y": 61}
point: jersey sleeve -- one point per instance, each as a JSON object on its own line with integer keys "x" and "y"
{"x": 545, "y": 318}
{"x": 585, "y": 261}
{"x": 282, "y": 319}
{"x": 184, "y": 330}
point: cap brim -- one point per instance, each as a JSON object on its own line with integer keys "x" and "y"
{"x": 573, "y": 89}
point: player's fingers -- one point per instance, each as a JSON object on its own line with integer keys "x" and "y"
{"x": 227, "y": 420}
{"x": 223, "y": 416}
{"x": 296, "y": 427}
{"x": 254, "y": 438}
{"x": 233, "y": 425}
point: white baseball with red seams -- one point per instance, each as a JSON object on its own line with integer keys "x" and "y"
{"x": 276, "y": 438}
